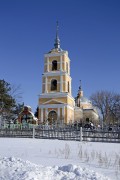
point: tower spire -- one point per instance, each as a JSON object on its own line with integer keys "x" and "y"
{"x": 80, "y": 92}
{"x": 57, "y": 40}
{"x": 80, "y": 87}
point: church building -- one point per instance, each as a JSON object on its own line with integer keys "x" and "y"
{"x": 56, "y": 103}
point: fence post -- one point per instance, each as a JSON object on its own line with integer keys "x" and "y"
{"x": 81, "y": 133}
{"x": 33, "y": 131}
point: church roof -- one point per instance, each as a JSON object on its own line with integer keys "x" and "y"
{"x": 55, "y": 50}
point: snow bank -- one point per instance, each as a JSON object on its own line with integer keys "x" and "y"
{"x": 18, "y": 169}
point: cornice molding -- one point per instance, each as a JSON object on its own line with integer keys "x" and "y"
{"x": 54, "y": 95}
{"x": 56, "y": 54}
{"x": 55, "y": 73}
{"x": 56, "y": 106}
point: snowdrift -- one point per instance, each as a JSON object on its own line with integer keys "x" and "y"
{"x": 17, "y": 169}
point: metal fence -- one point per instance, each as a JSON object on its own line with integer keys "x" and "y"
{"x": 62, "y": 134}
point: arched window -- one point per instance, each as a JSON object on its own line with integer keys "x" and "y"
{"x": 54, "y": 65}
{"x": 53, "y": 85}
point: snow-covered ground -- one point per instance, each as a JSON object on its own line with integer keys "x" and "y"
{"x": 40, "y": 159}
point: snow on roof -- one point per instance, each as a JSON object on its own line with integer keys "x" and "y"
{"x": 84, "y": 99}
{"x": 28, "y": 106}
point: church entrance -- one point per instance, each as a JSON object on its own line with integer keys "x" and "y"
{"x": 52, "y": 117}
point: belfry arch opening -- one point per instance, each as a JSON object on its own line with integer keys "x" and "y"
{"x": 54, "y": 65}
{"x": 53, "y": 85}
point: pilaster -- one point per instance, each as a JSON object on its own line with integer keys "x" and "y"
{"x": 46, "y": 84}
{"x": 47, "y": 64}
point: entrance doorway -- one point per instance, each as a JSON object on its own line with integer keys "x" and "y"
{"x": 52, "y": 117}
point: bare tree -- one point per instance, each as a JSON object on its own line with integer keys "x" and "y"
{"x": 109, "y": 105}
{"x": 114, "y": 109}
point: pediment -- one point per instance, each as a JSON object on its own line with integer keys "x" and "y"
{"x": 53, "y": 101}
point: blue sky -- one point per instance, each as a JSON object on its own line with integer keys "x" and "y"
{"x": 88, "y": 29}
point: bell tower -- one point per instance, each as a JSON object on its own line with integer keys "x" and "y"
{"x": 56, "y": 104}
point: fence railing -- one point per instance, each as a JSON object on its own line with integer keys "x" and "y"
{"x": 62, "y": 134}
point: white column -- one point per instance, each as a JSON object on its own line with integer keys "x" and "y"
{"x": 58, "y": 116}
{"x": 65, "y": 65}
{"x": 60, "y": 63}
{"x": 63, "y": 113}
{"x": 61, "y": 83}
{"x": 41, "y": 114}
{"x": 70, "y": 87}
{"x": 46, "y": 85}
{"x": 46, "y": 114}
{"x": 68, "y": 115}
{"x": 47, "y": 64}
{"x": 58, "y": 112}
{"x": 69, "y": 67}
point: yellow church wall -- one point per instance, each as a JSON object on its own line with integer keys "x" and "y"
{"x": 70, "y": 101}
{"x": 67, "y": 78}
{"x": 57, "y": 58}
{"x": 65, "y": 58}
{"x": 62, "y": 99}
{"x": 69, "y": 115}
{"x": 53, "y": 77}
{"x": 64, "y": 87}
{"x": 53, "y": 109}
